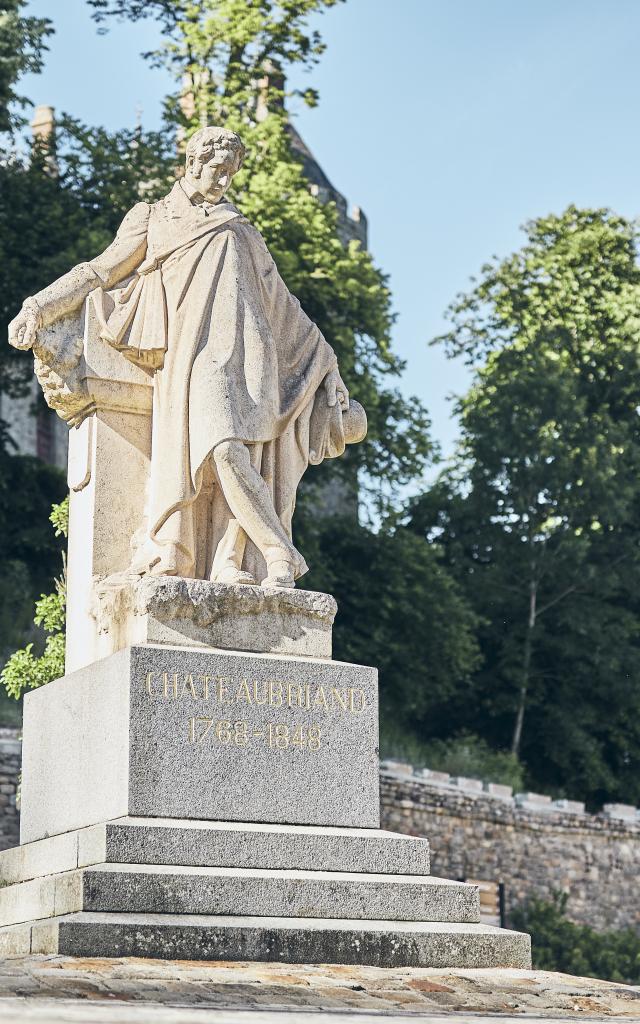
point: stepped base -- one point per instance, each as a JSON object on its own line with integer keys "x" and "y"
{"x": 276, "y": 939}
{"x": 173, "y": 889}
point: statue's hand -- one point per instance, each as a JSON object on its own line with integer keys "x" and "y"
{"x": 336, "y": 390}
{"x": 23, "y": 329}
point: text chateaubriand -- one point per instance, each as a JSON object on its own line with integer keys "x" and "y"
{"x": 273, "y": 693}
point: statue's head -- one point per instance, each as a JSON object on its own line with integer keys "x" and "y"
{"x": 213, "y": 157}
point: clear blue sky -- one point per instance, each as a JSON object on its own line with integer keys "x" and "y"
{"x": 450, "y": 122}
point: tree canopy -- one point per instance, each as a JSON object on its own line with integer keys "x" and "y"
{"x": 538, "y": 517}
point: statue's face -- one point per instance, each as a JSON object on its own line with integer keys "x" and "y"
{"x": 212, "y": 179}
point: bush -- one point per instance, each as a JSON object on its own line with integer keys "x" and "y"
{"x": 466, "y": 754}
{"x": 25, "y": 670}
{"x": 561, "y": 945}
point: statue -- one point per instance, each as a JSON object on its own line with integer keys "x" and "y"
{"x": 246, "y": 391}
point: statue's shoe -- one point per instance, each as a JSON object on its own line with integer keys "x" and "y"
{"x": 281, "y": 573}
{"x": 231, "y": 576}
{"x": 155, "y": 560}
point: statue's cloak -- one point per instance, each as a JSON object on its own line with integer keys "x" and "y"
{"x": 232, "y": 354}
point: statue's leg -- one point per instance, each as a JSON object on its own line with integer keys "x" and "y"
{"x": 250, "y": 501}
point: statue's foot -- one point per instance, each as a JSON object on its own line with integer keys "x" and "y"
{"x": 152, "y": 560}
{"x": 281, "y": 573}
{"x": 231, "y": 576}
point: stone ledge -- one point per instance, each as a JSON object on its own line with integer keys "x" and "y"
{"x": 178, "y": 611}
{"x": 288, "y": 940}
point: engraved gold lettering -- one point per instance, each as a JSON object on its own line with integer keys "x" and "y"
{"x": 295, "y": 696}
{"x": 193, "y": 732}
{"x": 356, "y": 696}
{"x": 205, "y": 686}
{"x": 243, "y": 693}
{"x": 275, "y": 693}
{"x": 149, "y": 683}
{"x": 320, "y": 699}
{"x": 223, "y": 690}
{"x": 265, "y": 695}
{"x": 190, "y": 686}
{"x": 341, "y": 698}
{"x": 170, "y": 683}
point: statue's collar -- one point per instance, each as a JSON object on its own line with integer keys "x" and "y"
{"x": 183, "y": 197}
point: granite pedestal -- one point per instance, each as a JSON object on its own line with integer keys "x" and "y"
{"x": 182, "y": 801}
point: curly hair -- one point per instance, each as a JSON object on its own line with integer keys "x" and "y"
{"x": 203, "y": 144}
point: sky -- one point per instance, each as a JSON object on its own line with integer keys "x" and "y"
{"x": 449, "y": 122}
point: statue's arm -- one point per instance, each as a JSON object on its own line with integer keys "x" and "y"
{"x": 67, "y": 294}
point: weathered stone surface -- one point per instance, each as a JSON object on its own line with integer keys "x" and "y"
{"x": 185, "y": 733}
{"x": 187, "y": 937}
{"x": 136, "y": 888}
{"x": 133, "y": 991}
{"x": 214, "y": 843}
{"x": 143, "y": 841}
{"x": 595, "y": 859}
{"x": 75, "y": 750}
{"x": 176, "y": 611}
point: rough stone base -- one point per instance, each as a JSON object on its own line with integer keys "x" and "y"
{"x": 173, "y": 610}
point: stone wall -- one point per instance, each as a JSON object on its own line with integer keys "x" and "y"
{"x": 531, "y": 844}
{"x": 10, "y": 758}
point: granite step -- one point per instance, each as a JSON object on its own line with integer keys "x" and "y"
{"x": 144, "y": 888}
{"x": 188, "y": 937}
{"x": 218, "y": 844}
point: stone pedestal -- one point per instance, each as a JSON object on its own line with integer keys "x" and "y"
{"x": 181, "y": 800}
{"x": 187, "y": 733}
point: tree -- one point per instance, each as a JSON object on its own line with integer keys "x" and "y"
{"x": 22, "y": 42}
{"x": 229, "y": 59}
{"x": 539, "y": 518}
{"x": 60, "y": 202}
{"x": 398, "y": 609}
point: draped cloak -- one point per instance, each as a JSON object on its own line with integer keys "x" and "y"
{"x": 233, "y": 356}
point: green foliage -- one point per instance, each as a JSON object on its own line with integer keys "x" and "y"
{"x": 29, "y": 555}
{"x": 22, "y": 41}
{"x": 560, "y": 945}
{"x": 538, "y": 519}
{"x": 221, "y": 49}
{"x": 398, "y": 609}
{"x": 466, "y": 755}
{"x": 26, "y": 670}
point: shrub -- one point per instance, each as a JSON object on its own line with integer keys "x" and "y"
{"x": 560, "y": 945}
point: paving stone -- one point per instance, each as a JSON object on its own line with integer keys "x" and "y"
{"x": 69, "y": 990}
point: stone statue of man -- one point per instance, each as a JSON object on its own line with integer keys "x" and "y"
{"x": 246, "y": 390}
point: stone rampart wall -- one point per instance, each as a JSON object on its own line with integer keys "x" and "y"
{"x": 534, "y": 846}
{"x": 10, "y": 760}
